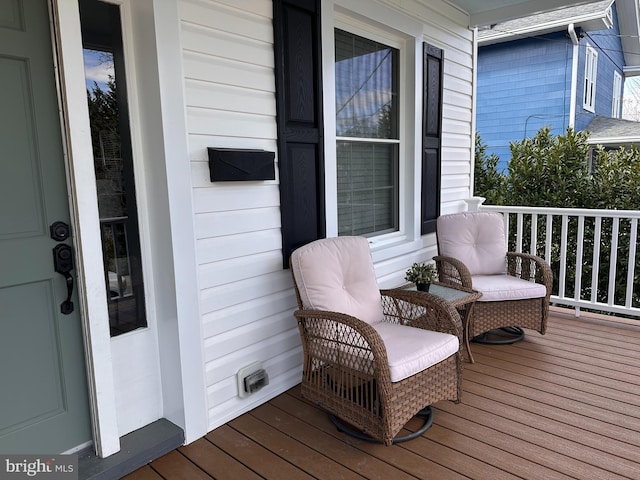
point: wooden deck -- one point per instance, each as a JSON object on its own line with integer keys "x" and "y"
{"x": 561, "y": 406}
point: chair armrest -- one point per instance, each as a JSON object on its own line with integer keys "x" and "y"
{"x": 452, "y": 271}
{"x": 325, "y": 333}
{"x": 530, "y": 267}
{"x": 421, "y": 310}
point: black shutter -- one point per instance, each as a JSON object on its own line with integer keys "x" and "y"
{"x": 299, "y": 118}
{"x": 431, "y": 136}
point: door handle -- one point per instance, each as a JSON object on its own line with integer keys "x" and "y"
{"x": 63, "y": 264}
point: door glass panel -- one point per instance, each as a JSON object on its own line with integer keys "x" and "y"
{"x": 113, "y": 163}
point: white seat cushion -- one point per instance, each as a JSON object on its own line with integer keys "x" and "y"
{"x": 477, "y": 239}
{"x": 337, "y": 275}
{"x": 411, "y": 350}
{"x": 495, "y": 288}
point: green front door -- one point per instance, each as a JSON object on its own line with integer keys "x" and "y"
{"x": 43, "y": 389}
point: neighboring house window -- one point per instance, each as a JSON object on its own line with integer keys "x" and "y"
{"x": 590, "y": 73}
{"x": 617, "y": 95}
{"x": 367, "y": 135}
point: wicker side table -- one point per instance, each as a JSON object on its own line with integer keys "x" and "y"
{"x": 462, "y": 299}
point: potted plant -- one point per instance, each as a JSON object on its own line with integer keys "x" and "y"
{"x": 422, "y": 274}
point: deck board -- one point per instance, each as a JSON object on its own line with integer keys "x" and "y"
{"x": 565, "y": 405}
{"x": 216, "y": 462}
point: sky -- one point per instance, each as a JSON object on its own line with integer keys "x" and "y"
{"x": 97, "y": 67}
{"x": 631, "y": 99}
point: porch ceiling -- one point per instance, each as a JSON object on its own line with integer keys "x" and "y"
{"x": 487, "y": 12}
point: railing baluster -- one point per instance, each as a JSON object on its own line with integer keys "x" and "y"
{"x": 547, "y": 247}
{"x": 579, "y": 252}
{"x": 506, "y": 230}
{"x": 597, "y": 235}
{"x": 563, "y": 255}
{"x": 631, "y": 262}
{"x": 613, "y": 263}
{"x": 533, "y": 247}
{"x": 519, "y": 232}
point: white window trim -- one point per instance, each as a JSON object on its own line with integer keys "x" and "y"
{"x": 617, "y": 95}
{"x": 409, "y": 124}
{"x": 590, "y": 76}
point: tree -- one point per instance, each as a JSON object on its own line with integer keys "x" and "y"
{"x": 103, "y": 116}
{"x": 488, "y": 181}
{"x": 548, "y": 171}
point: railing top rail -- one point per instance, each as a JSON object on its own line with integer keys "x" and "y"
{"x": 113, "y": 219}
{"x": 576, "y": 212}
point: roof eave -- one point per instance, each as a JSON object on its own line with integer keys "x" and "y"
{"x": 558, "y": 25}
{"x": 614, "y": 140}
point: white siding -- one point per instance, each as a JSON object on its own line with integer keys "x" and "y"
{"x": 246, "y": 298}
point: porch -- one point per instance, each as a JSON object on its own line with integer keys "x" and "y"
{"x": 559, "y": 406}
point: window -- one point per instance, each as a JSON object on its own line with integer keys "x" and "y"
{"x": 383, "y": 131}
{"x": 367, "y": 138}
{"x": 113, "y": 164}
{"x": 590, "y": 72}
{"x": 617, "y": 95}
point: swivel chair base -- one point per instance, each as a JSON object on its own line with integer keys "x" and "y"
{"x": 505, "y": 336}
{"x": 425, "y": 413}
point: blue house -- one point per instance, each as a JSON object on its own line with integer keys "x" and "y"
{"x": 560, "y": 69}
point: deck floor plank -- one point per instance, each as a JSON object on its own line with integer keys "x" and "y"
{"x": 554, "y": 453}
{"x": 573, "y": 391}
{"x": 144, "y": 473}
{"x": 560, "y": 371}
{"x": 565, "y": 405}
{"x": 572, "y": 442}
{"x": 176, "y": 466}
{"x": 262, "y": 460}
{"x": 344, "y": 449}
{"x": 291, "y": 449}
{"x": 215, "y": 462}
{"x": 432, "y": 455}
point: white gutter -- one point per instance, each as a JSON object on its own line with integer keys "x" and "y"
{"x": 574, "y": 74}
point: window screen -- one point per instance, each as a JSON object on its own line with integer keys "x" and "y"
{"x": 366, "y": 76}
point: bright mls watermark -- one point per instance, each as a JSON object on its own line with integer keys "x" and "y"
{"x": 50, "y": 467}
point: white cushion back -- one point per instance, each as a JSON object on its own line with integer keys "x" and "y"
{"x": 337, "y": 275}
{"x": 477, "y": 239}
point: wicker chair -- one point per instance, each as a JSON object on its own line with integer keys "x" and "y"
{"x": 515, "y": 287}
{"x": 372, "y": 358}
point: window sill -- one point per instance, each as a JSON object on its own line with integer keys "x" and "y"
{"x": 393, "y": 246}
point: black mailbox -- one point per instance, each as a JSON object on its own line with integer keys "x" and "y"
{"x": 237, "y": 165}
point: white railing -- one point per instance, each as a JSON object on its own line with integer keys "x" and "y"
{"x": 593, "y": 253}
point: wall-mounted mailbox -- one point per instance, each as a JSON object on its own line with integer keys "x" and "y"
{"x": 237, "y": 165}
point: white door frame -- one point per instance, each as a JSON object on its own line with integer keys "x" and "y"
{"x": 83, "y": 201}
{"x": 175, "y": 326}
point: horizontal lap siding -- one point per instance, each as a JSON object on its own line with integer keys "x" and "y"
{"x": 523, "y": 86}
{"x": 457, "y": 115}
{"x": 246, "y": 298}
